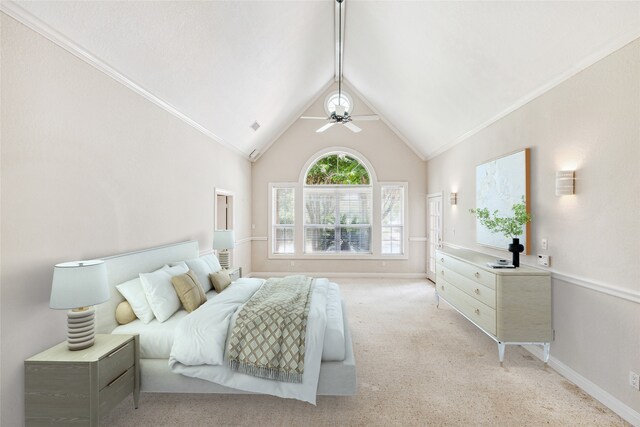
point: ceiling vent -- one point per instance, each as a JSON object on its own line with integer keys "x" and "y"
{"x": 255, "y": 126}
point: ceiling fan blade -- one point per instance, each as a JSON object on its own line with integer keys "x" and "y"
{"x": 325, "y": 127}
{"x": 365, "y": 118}
{"x": 351, "y": 127}
{"x": 314, "y": 118}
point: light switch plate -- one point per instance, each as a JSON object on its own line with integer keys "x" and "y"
{"x": 543, "y": 260}
{"x": 544, "y": 244}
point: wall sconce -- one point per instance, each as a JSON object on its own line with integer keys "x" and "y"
{"x": 453, "y": 199}
{"x": 565, "y": 183}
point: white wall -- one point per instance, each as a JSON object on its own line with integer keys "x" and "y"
{"x": 90, "y": 168}
{"x": 392, "y": 160}
{"x": 591, "y": 122}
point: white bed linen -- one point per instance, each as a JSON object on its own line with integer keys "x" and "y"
{"x": 333, "y": 349}
{"x": 199, "y": 344}
{"x": 156, "y": 338}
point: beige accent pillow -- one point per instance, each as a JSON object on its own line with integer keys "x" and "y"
{"x": 189, "y": 290}
{"x": 220, "y": 280}
{"x": 124, "y": 313}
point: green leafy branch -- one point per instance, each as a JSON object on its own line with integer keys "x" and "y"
{"x": 507, "y": 226}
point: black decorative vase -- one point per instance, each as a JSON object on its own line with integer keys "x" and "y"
{"x": 515, "y": 248}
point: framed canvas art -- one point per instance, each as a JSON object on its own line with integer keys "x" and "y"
{"x": 500, "y": 183}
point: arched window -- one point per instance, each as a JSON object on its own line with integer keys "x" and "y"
{"x": 337, "y": 206}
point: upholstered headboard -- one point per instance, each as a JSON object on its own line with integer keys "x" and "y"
{"x": 123, "y": 267}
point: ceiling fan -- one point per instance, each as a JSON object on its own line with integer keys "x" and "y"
{"x": 340, "y": 115}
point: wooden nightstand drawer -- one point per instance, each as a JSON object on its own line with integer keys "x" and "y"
{"x": 116, "y": 390}
{"x": 64, "y": 387}
{"x": 115, "y": 363}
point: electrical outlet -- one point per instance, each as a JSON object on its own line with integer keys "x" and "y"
{"x": 544, "y": 244}
{"x": 634, "y": 380}
{"x": 544, "y": 260}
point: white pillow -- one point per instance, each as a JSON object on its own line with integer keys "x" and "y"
{"x": 159, "y": 290}
{"x": 213, "y": 262}
{"x": 133, "y": 292}
{"x": 202, "y": 270}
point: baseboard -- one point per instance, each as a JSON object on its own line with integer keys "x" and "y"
{"x": 346, "y": 275}
{"x": 629, "y": 414}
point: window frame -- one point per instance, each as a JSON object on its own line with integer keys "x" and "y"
{"x": 376, "y": 229}
{"x": 272, "y": 218}
{"x": 336, "y": 225}
{"x": 404, "y": 238}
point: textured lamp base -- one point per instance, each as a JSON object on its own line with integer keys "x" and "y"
{"x": 81, "y": 328}
{"x": 225, "y": 259}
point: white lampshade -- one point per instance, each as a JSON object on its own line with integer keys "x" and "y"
{"x": 223, "y": 239}
{"x": 79, "y": 284}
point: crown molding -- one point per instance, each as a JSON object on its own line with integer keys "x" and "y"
{"x": 610, "y": 48}
{"x": 16, "y": 12}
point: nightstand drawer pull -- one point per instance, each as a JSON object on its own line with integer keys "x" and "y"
{"x": 117, "y": 351}
{"x": 115, "y": 363}
{"x": 120, "y": 376}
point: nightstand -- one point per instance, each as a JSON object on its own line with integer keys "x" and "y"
{"x": 234, "y": 273}
{"x": 81, "y": 387}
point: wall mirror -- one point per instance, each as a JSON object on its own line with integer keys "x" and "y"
{"x": 500, "y": 183}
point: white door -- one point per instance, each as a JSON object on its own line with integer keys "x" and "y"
{"x": 434, "y": 232}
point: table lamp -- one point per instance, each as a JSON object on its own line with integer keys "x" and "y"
{"x": 223, "y": 240}
{"x": 78, "y": 286}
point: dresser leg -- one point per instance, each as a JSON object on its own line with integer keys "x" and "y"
{"x": 501, "y": 347}
{"x": 437, "y": 300}
{"x": 545, "y": 357}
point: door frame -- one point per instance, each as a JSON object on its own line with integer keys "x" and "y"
{"x": 430, "y": 259}
{"x": 227, "y": 193}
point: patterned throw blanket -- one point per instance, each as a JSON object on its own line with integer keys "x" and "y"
{"x": 268, "y": 339}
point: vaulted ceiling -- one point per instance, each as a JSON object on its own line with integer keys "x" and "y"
{"x": 436, "y": 71}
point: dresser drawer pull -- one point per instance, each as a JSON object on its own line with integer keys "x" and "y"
{"x": 477, "y": 311}
{"x": 117, "y": 351}
{"x": 477, "y": 291}
{"x": 442, "y": 287}
{"x": 441, "y": 259}
{"x": 442, "y": 272}
{"x": 477, "y": 275}
{"x": 117, "y": 378}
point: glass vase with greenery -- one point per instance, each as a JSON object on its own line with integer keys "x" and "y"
{"x": 508, "y": 226}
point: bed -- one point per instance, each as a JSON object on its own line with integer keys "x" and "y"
{"x": 336, "y": 377}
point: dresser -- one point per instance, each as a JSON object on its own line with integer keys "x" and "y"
{"x": 66, "y": 387}
{"x": 512, "y": 306}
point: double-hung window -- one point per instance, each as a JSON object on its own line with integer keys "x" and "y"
{"x": 283, "y": 219}
{"x": 337, "y": 219}
{"x": 392, "y": 216}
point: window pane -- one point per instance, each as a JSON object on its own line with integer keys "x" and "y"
{"x": 355, "y": 206}
{"x": 320, "y": 207}
{"x": 392, "y": 205}
{"x": 337, "y": 169}
{"x": 284, "y": 205}
{"x": 283, "y": 240}
{"x": 355, "y": 239}
{"x": 320, "y": 239}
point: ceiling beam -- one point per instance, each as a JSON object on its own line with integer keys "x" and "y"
{"x": 339, "y": 44}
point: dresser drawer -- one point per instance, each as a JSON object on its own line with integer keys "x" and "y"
{"x": 115, "y": 363}
{"x": 474, "y": 289}
{"x": 115, "y": 391}
{"x": 478, "y": 312}
{"x": 468, "y": 270}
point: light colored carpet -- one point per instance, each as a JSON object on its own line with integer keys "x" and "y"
{"x": 417, "y": 365}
